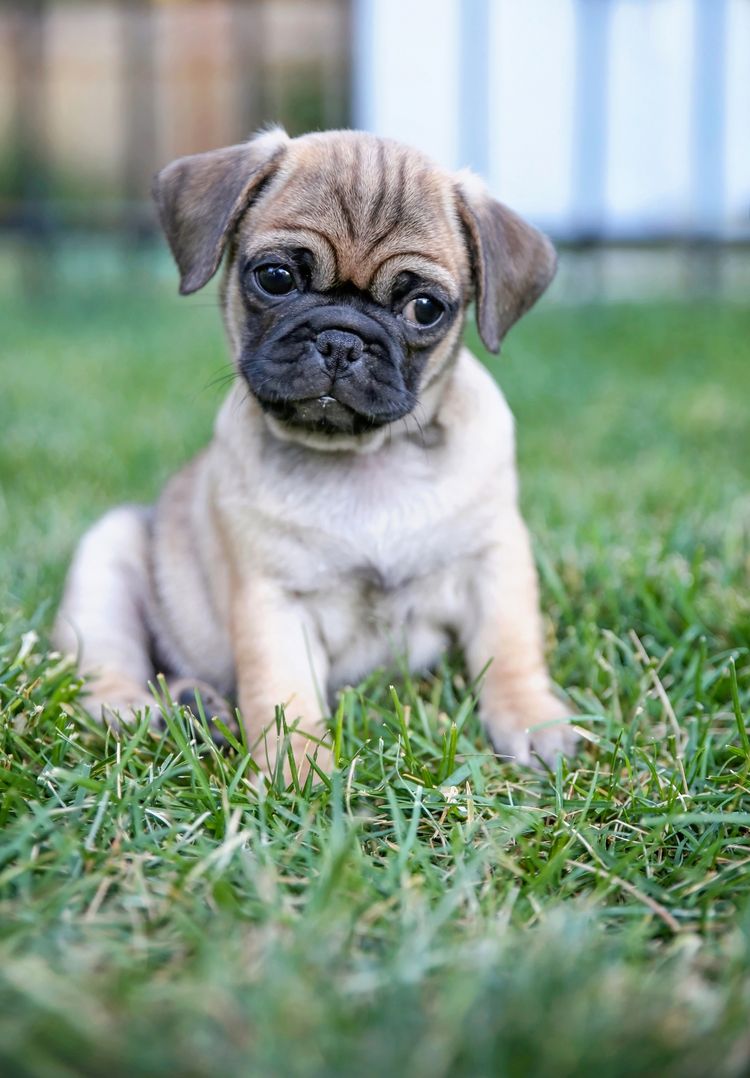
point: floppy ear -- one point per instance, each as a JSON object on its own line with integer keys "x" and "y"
{"x": 511, "y": 262}
{"x": 201, "y": 198}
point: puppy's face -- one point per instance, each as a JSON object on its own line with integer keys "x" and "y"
{"x": 347, "y": 284}
{"x": 351, "y": 262}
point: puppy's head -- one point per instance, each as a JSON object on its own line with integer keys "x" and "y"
{"x": 350, "y": 263}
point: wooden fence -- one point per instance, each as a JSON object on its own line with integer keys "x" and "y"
{"x": 95, "y": 95}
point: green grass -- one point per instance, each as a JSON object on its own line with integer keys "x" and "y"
{"x": 427, "y": 909}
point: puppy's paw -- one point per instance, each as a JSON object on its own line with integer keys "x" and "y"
{"x": 303, "y": 749}
{"x": 538, "y": 729}
{"x": 116, "y": 708}
{"x": 185, "y": 691}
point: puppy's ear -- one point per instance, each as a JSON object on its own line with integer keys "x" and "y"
{"x": 511, "y": 262}
{"x": 201, "y": 198}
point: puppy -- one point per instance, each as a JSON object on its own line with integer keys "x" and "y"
{"x": 358, "y": 502}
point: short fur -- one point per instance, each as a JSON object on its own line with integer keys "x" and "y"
{"x": 358, "y": 502}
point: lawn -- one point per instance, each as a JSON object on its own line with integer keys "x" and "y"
{"x": 426, "y": 909}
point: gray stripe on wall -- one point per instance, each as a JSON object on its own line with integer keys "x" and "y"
{"x": 474, "y": 88}
{"x": 363, "y": 86}
{"x": 708, "y": 135}
{"x": 588, "y": 203}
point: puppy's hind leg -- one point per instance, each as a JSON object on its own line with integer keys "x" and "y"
{"x": 103, "y": 615}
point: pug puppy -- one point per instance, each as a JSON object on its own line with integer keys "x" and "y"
{"x": 359, "y": 500}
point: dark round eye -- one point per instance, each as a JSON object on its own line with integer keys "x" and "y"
{"x": 275, "y": 279}
{"x": 424, "y": 310}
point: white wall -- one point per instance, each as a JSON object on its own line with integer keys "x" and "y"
{"x": 661, "y": 171}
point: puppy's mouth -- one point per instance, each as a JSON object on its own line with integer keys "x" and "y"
{"x": 324, "y": 414}
{"x": 330, "y": 369}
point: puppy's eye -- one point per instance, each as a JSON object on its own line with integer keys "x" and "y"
{"x": 275, "y": 279}
{"x": 424, "y": 310}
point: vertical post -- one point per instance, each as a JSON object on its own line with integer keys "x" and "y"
{"x": 336, "y": 76}
{"x": 708, "y": 149}
{"x": 590, "y": 120}
{"x": 139, "y": 119}
{"x": 30, "y": 181}
{"x": 251, "y": 101}
{"x": 708, "y": 146}
{"x": 363, "y": 23}
{"x": 474, "y": 79}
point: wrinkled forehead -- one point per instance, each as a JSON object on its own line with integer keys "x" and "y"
{"x": 367, "y": 209}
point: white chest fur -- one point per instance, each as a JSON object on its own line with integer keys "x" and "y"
{"x": 382, "y": 552}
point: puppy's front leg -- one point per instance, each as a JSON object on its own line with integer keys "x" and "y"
{"x": 279, "y": 660}
{"x": 519, "y": 710}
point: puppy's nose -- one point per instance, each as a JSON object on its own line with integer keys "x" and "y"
{"x": 338, "y": 348}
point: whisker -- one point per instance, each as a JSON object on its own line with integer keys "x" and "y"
{"x": 421, "y": 430}
{"x": 194, "y": 306}
{"x": 226, "y": 376}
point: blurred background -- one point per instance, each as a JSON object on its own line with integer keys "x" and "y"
{"x": 616, "y": 125}
{"x": 622, "y": 127}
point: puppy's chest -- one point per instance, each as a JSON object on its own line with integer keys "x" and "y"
{"x": 366, "y": 620}
{"x": 372, "y": 529}
{"x": 384, "y": 560}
